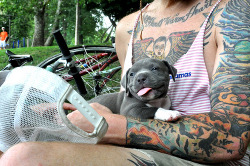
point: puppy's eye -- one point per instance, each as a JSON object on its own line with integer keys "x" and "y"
{"x": 154, "y": 68}
{"x": 131, "y": 74}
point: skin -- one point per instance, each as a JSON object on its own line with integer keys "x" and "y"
{"x": 224, "y": 132}
{"x": 218, "y": 136}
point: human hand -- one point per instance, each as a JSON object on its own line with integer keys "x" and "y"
{"x": 116, "y": 133}
{"x": 68, "y": 106}
{"x": 50, "y": 111}
{"x": 80, "y": 121}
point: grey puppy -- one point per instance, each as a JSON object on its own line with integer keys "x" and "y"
{"x": 145, "y": 83}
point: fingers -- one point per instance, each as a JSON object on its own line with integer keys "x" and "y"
{"x": 100, "y": 108}
{"x": 80, "y": 121}
{"x": 51, "y": 106}
{"x": 96, "y": 106}
{"x": 68, "y": 106}
{"x": 43, "y": 107}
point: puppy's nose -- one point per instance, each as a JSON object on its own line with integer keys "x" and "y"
{"x": 141, "y": 79}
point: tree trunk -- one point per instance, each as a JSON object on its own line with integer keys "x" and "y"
{"x": 64, "y": 26}
{"x": 81, "y": 39}
{"x": 80, "y": 28}
{"x": 38, "y": 37}
{"x": 77, "y": 24}
{"x": 104, "y": 33}
{"x": 50, "y": 38}
{"x": 108, "y": 37}
{"x": 112, "y": 21}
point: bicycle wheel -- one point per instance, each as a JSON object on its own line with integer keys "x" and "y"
{"x": 99, "y": 69}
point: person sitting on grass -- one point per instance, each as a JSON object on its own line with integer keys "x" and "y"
{"x": 208, "y": 43}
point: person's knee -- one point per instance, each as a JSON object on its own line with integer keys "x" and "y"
{"x": 20, "y": 154}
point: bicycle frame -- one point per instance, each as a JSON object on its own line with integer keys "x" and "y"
{"x": 86, "y": 65}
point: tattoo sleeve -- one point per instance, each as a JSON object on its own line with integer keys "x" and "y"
{"x": 224, "y": 133}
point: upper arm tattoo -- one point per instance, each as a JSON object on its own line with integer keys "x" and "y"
{"x": 226, "y": 129}
{"x": 230, "y": 92}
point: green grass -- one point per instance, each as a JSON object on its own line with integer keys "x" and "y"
{"x": 38, "y": 53}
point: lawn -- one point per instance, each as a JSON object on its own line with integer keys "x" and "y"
{"x": 38, "y": 53}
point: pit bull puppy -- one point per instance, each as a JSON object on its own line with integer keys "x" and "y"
{"x": 145, "y": 83}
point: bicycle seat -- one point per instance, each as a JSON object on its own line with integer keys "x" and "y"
{"x": 9, "y": 53}
{"x": 13, "y": 55}
{"x": 18, "y": 60}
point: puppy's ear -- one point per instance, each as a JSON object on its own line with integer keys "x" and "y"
{"x": 172, "y": 70}
{"x": 124, "y": 83}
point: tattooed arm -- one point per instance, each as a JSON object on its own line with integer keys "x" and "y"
{"x": 224, "y": 133}
{"x": 218, "y": 136}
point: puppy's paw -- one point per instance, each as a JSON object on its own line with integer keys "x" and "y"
{"x": 167, "y": 115}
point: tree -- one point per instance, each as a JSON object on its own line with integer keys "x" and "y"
{"x": 50, "y": 38}
{"x": 38, "y": 18}
{"x": 21, "y": 18}
{"x": 77, "y": 23}
{"x": 38, "y": 37}
{"x": 115, "y": 9}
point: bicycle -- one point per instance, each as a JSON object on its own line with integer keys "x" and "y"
{"x": 16, "y": 60}
{"x": 97, "y": 66}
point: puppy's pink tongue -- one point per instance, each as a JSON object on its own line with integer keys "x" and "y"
{"x": 143, "y": 91}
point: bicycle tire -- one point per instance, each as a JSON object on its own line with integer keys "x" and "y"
{"x": 95, "y": 86}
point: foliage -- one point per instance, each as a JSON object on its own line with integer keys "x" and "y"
{"x": 115, "y": 9}
{"x": 20, "y": 13}
{"x": 91, "y": 30}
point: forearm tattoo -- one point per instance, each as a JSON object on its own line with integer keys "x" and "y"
{"x": 226, "y": 129}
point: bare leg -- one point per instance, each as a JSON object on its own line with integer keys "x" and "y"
{"x": 30, "y": 154}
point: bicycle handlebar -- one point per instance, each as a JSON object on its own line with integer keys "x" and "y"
{"x": 66, "y": 55}
{"x": 62, "y": 45}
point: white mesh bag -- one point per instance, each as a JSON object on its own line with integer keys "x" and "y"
{"x": 31, "y": 109}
